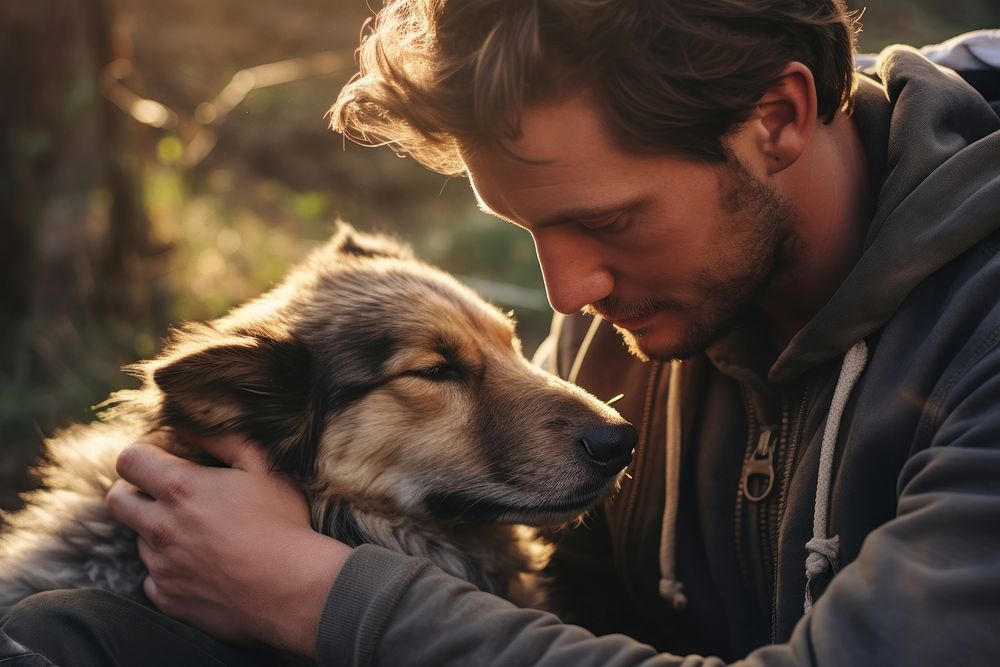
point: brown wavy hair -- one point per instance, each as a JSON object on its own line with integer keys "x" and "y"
{"x": 671, "y": 75}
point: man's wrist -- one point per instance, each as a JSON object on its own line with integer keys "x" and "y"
{"x": 315, "y": 562}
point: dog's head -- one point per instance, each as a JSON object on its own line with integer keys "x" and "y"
{"x": 373, "y": 378}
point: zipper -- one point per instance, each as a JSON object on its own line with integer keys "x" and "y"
{"x": 758, "y": 471}
{"x": 782, "y": 448}
{"x": 751, "y": 414}
{"x": 759, "y": 483}
{"x": 760, "y": 498}
{"x": 791, "y": 454}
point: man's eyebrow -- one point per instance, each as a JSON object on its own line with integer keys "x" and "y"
{"x": 592, "y": 213}
{"x": 575, "y": 214}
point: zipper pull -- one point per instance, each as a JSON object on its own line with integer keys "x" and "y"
{"x": 760, "y": 464}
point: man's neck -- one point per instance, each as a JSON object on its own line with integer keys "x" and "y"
{"x": 829, "y": 187}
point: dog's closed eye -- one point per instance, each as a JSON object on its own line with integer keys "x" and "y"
{"x": 440, "y": 372}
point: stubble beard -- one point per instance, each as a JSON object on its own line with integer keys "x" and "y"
{"x": 764, "y": 221}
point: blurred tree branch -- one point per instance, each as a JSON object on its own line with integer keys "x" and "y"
{"x": 197, "y": 129}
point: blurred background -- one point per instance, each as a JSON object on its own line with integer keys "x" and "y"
{"x": 163, "y": 161}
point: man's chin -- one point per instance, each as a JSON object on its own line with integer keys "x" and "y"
{"x": 648, "y": 344}
{"x": 653, "y": 334}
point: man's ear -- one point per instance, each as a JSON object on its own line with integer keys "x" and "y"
{"x": 349, "y": 241}
{"x": 258, "y": 385}
{"x": 785, "y": 117}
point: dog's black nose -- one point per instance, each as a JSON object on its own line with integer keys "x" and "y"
{"x": 611, "y": 446}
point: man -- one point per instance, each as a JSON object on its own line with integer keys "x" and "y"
{"x": 804, "y": 266}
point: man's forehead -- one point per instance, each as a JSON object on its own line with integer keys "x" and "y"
{"x": 559, "y": 144}
{"x": 546, "y": 131}
{"x": 513, "y": 189}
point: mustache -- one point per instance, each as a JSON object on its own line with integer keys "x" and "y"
{"x": 614, "y": 308}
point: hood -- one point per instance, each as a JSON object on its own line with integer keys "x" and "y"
{"x": 932, "y": 142}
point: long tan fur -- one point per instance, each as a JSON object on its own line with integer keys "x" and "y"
{"x": 393, "y": 395}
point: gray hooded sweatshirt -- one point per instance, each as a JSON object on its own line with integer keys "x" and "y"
{"x": 834, "y": 503}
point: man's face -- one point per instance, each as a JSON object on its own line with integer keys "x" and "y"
{"x": 670, "y": 250}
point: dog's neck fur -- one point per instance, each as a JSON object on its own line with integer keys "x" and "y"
{"x": 496, "y": 558}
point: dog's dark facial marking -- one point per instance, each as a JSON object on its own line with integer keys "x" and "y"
{"x": 349, "y": 371}
{"x": 460, "y": 366}
{"x": 450, "y": 365}
{"x": 362, "y": 361}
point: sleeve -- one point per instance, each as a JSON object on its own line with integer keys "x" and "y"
{"x": 389, "y": 609}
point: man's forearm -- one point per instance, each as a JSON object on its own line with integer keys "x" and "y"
{"x": 389, "y": 609}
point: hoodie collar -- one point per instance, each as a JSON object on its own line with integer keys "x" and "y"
{"x": 932, "y": 143}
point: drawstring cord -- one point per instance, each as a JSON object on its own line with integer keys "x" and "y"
{"x": 671, "y": 590}
{"x": 824, "y": 551}
{"x": 581, "y": 351}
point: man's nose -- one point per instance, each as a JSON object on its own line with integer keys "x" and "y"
{"x": 575, "y": 271}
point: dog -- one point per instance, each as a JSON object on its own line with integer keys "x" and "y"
{"x": 395, "y": 397}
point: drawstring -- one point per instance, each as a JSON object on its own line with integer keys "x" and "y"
{"x": 823, "y": 550}
{"x": 581, "y": 351}
{"x": 670, "y": 588}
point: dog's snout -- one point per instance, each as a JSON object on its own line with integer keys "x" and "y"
{"x": 611, "y": 446}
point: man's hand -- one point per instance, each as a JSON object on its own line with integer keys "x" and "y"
{"x": 230, "y": 550}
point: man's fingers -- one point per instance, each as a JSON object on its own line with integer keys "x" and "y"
{"x": 152, "y": 592}
{"x": 133, "y": 508}
{"x": 156, "y": 471}
{"x": 233, "y": 449}
{"x": 146, "y": 552}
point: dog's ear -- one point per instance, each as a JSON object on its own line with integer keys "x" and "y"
{"x": 255, "y": 384}
{"x": 349, "y": 241}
